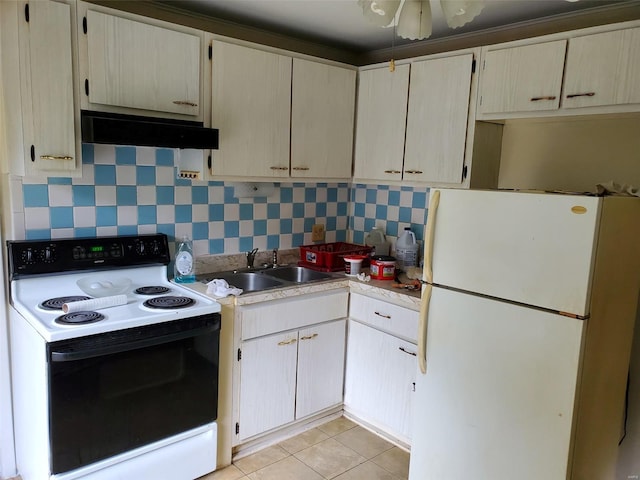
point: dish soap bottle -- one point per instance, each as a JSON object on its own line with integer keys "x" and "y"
{"x": 183, "y": 266}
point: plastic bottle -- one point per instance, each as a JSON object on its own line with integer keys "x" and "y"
{"x": 183, "y": 267}
{"x": 375, "y": 238}
{"x": 406, "y": 249}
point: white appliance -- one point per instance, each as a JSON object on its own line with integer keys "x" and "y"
{"x": 128, "y": 391}
{"x": 525, "y": 335}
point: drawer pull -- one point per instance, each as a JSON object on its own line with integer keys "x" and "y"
{"x": 417, "y": 172}
{"x": 288, "y": 342}
{"x": 537, "y": 99}
{"x": 309, "y": 337}
{"x": 185, "y": 103}
{"x": 55, "y": 157}
{"x": 587, "y": 94}
{"x": 383, "y": 315}
{"x": 392, "y": 171}
{"x": 279, "y": 168}
{"x": 300, "y": 168}
{"x": 402, "y": 349}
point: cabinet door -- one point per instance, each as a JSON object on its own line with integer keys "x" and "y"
{"x": 320, "y": 367}
{"x": 522, "y": 79}
{"x": 136, "y": 65}
{"x": 48, "y": 107}
{"x": 380, "y": 125}
{"x": 379, "y": 379}
{"x": 603, "y": 69}
{"x": 251, "y": 107}
{"x": 437, "y": 119}
{"x": 322, "y": 113}
{"x": 267, "y": 383}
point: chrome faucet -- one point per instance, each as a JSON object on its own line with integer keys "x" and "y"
{"x": 251, "y": 256}
{"x": 274, "y": 259}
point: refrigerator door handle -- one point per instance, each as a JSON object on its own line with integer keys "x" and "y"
{"x": 429, "y": 233}
{"x": 422, "y": 328}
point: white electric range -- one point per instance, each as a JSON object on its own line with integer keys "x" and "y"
{"x": 103, "y": 391}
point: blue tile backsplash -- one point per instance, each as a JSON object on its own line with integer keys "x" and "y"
{"x": 130, "y": 190}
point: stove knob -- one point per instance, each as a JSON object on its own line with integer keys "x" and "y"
{"x": 47, "y": 255}
{"x": 140, "y": 248}
{"x": 27, "y": 257}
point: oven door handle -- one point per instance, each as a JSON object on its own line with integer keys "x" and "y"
{"x": 125, "y": 345}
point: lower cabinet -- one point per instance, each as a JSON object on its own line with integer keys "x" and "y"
{"x": 380, "y": 379}
{"x": 288, "y": 375}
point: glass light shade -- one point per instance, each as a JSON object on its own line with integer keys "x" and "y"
{"x": 460, "y": 12}
{"x": 414, "y": 22}
{"x": 379, "y": 12}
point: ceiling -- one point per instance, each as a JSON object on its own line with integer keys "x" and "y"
{"x": 340, "y": 23}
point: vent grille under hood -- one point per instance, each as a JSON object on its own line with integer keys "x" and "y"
{"x": 118, "y": 129}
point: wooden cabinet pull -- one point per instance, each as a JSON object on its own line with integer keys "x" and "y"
{"x": 417, "y": 172}
{"x": 186, "y": 103}
{"x": 587, "y": 94}
{"x": 309, "y": 337}
{"x": 392, "y": 171}
{"x": 402, "y": 349}
{"x": 300, "y": 168}
{"x": 55, "y": 157}
{"x": 279, "y": 168}
{"x": 288, "y": 342}
{"x": 383, "y": 315}
{"x": 537, "y": 99}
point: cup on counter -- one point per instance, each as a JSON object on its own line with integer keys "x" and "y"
{"x": 353, "y": 264}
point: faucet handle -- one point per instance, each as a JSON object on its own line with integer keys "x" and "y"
{"x": 274, "y": 259}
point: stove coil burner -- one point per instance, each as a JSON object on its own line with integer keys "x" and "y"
{"x": 152, "y": 290}
{"x": 169, "y": 302}
{"x": 80, "y": 318}
{"x": 56, "y": 303}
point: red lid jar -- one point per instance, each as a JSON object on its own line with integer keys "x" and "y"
{"x": 383, "y": 267}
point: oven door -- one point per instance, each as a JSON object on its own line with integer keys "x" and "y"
{"x": 116, "y": 391}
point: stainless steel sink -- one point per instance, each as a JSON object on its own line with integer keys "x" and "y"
{"x": 296, "y": 274}
{"x": 267, "y": 278}
{"x": 247, "y": 281}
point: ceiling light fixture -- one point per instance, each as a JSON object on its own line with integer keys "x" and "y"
{"x": 413, "y": 17}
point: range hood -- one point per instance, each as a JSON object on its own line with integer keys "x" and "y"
{"x": 119, "y": 129}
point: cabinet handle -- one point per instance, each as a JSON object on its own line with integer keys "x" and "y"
{"x": 587, "y": 94}
{"x": 55, "y": 157}
{"x": 392, "y": 171}
{"x": 309, "y": 337}
{"x": 186, "y": 103}
{"x": 288, "y": 342}
{"x": 300, "y": 168}
{"x": 537, "y": 99}
{"x": 383, "y": 315}
{"x": 279, "y": 168}
{"x": 417, "y": 172}
{"x": 402, "y": 349}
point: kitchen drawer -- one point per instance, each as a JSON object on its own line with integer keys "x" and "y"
{"x": 399, "y": 321}
{"x": 280, "y": 315}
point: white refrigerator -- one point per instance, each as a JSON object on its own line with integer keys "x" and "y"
{"x": 525, "y": 335}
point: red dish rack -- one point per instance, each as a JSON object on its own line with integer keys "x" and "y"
{"x": 329, "y": 257}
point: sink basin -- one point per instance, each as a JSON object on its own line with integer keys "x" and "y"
{"x": 296, "y": 274}
{"x": 248, "y": 281}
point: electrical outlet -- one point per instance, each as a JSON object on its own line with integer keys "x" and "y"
{"x": 317, "y": 233}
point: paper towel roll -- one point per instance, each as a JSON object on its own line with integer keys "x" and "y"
{"x": 94, "y": 303}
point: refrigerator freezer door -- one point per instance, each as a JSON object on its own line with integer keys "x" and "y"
{"x": 497, "y": 400}
{"x": 531, "y": 248}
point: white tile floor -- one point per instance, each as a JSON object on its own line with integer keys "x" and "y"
{"x": 338, "y": 450}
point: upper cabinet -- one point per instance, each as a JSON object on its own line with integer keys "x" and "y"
{"x": 413, "y": 123}
{"x": 251, "y": 104}
{"x": 522, "y": 79}
{"x": 559, "y": 75}
{"x": 603, "y": 69}
{"x": 322, "y": 114}
{"x": 38, "y": 82}
{"x": 280, "y": 117}
{"x": 134, "y": 66}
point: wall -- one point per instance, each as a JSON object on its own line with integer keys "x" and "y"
{"x": 570, "y": 154}
{"x": 130, "y": 190}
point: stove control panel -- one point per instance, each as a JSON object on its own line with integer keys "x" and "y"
{"x": 38, "y": 257}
